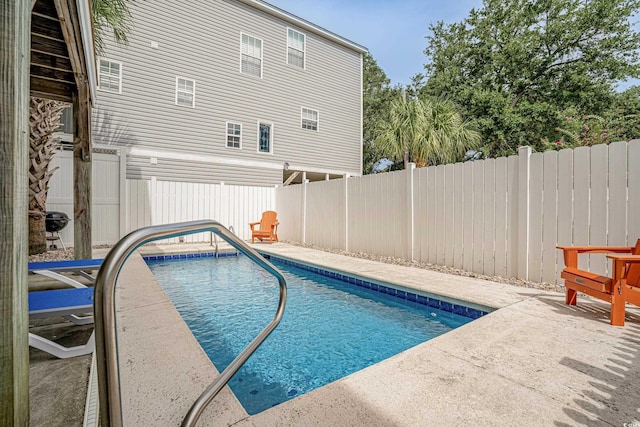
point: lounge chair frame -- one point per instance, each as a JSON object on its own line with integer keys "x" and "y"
{"x": 72, "y": 304}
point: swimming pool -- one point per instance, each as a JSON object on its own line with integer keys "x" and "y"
{"x": 332, "y": 327}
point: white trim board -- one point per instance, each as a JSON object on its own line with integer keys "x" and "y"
{"x": 177, "y": 155}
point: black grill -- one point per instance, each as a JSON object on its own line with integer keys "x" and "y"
{"x": 56, "y": 221}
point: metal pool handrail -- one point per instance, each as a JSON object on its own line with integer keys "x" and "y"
{"x": 214, "y": 239}
{"x": 105, "y": 316}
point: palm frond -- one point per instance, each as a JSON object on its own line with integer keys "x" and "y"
{"x": 114, "y": 15}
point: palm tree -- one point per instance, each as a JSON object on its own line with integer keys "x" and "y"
{"x": 398, "y": 136}
{"x": 44, "y": 120}
{"x": 447, "y": 138}
{"x": 114, "y": 15}
{"x": 426, "y": 131}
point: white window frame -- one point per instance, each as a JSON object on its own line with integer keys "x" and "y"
{"x": 261, "y": 56}
{"x": 119, "y": 92}
{"x": 193, "y": 99}
{"x": 265, "y": 122}
{"x": 304, "y": 49}
{"x": 227, "y": 135}
{"x": 317, "y": 129}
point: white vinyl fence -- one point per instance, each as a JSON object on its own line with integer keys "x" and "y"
{"x": 122, "y": 205}
{"x": 105, "y": 207}
{"x": 500, "y": 216}
{"x": 153, "y": 202}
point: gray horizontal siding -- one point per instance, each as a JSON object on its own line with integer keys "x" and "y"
{"x": 201, "y": 41}
{"x": 139, "y": 167}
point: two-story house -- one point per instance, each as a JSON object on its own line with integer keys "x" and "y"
{"x": 233, "y": 91}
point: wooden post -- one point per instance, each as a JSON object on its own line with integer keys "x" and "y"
{"x": 82, "y": 172}
{"x": 70, "y": 26}
{"x": 14, "y": 145}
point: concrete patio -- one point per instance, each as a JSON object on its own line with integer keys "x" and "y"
{"x": 534, "y": 361}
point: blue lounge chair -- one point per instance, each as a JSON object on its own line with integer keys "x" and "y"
{"x": 69, "y": 303}
{"x": 72, "y": 304}
{"x": 54, "y": 269}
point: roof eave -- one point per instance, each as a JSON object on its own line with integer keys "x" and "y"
{"x": 304, "y": 24}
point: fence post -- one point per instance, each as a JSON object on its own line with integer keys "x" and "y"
{"x": 346, "y": 212}
{"x": 524, "y": 174}
{"x": 122, "y": 154}
{"x": 274, "y": 197}
{"x": 305, "y": 181}
{"x": 410, "y": 214}
{"x": 224, "y": 205}
{"x": 153, "y": 198}
{"x": 633, "y": 158}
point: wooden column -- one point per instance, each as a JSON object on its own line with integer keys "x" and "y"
{"x": 14, "y": 145}
{"x": 82, "y": 172}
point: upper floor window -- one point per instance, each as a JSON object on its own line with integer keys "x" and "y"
{"x": 185, "y": 92}
{"x": 251, "y": 55}
{"x": 110, "y": 76}
{"x": 295, "y": 48}
{"x": 309, "y": 119}
{"x": 234, "y": 135}
{"x": 265, "y": 137}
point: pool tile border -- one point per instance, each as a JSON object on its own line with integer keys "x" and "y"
{"x": 161, "y": 257}
{"x": 402, "y": 294}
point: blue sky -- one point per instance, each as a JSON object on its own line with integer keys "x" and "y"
{"x": 394, "y": 31}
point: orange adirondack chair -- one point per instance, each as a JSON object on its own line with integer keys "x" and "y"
{"x": 268, "y": 227}
{"x": 622, "y": 287}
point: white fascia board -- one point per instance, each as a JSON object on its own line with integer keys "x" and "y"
{"x": 302, "y": 23}
{"x": 86, "y": 32}
{"x": 176, "y": 155}
{"x": 303, "y": 168}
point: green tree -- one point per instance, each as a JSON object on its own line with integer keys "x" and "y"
{"x": 513, "y": 64}
{"x": 577, "y": 130}
{"x": 625, "y": 111}
{"x": 376, "y": 100}
{"x": 620, "y": 123}
{"x": 425, "y": 131}
{"x": 448, "y": 136}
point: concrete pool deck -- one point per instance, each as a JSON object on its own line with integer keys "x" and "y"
{"x": 534, "y": 361}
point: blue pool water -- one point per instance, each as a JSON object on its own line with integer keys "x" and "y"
{"x": 329, "y": 330}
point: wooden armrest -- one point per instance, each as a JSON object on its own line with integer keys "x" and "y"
{"x": 597, "y": 249}
{"x": 254, "y": 223}
{"x": 634, "y": 259}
